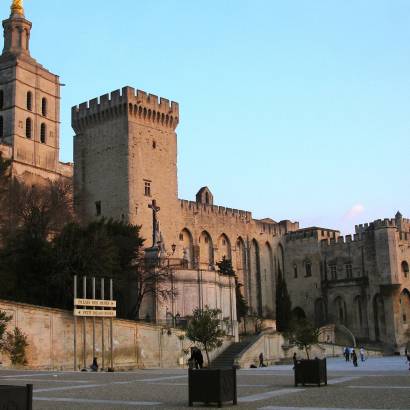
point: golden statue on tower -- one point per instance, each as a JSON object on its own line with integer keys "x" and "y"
{"x": 17, "y": 7}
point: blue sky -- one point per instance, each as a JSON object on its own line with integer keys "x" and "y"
{"x": 296, "y": 109}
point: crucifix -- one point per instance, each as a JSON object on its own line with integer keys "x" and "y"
{"x": 155, "y": 223}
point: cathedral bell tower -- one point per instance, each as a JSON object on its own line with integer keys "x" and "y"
{"x": 29, "y": 103}
{"x": 16, "y": 31}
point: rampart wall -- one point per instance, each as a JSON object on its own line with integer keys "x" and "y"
{"x": 50, "y": 335}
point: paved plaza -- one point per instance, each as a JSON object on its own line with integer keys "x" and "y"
{"x": 378, "y": 383}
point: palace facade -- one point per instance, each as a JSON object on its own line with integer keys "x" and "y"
{"x": 125, "y": 157}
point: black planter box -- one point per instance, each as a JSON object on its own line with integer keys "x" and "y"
{"x": 16, "y": 397}
{"x": 212, "y": 386}
{"x": 311, "y": 372}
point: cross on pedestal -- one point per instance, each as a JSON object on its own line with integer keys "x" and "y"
{"x": 155, "y": 223}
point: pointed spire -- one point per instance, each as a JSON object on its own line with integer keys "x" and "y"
{"x": 17, "y": 7}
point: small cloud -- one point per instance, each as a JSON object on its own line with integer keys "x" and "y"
{"x": 354, "y": 211}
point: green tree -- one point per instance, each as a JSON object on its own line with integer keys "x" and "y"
{"x": 204, "y": 328}
{"x": 242, "y": 308}
{"x": 103, "y": 248}
{"x": 283, "y": 304}
{"x": 15, "y": 346}
{"x": 303, "y": 333}
{"x": 25, "y": 267}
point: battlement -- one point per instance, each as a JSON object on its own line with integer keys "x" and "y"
{"x": 348, "y": 239}
{"x": 147, "y": 108}
{"x": 195, "y": 207}
{"x": 315, "y": 233}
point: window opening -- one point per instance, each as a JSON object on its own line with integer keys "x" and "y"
{"x": 308, "y": 268}
{"x": 44, "y": 106}
{"x": 333, "y": 272}
{"x": 147, "y": 188}
{"x": 43, "y": 131}
{"x": 28, "y": 127}
{"x": 29, "y": 100}
{"x": 349, "y": 271}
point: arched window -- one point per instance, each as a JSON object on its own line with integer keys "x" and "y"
{"x": 308, "y": 268}
{"x": 43, "y": 131}
{"x": 405, "y": 306}
{"x": 29, "y": 100}
{"x": 405, "y": 268}
{"x": 187, "y": 248}
{"x": 29, "y": 126}
{"x": 1, "y": 99}
{"x": 1, "y": 126}
{"x": 340, "y": 310}
{"x": 44, "y": 107}
{"x": 240, "y": 260}
{"x": 206, "y": 251}
{"x": 224, "y": 248}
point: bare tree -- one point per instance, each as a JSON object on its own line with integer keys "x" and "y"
{"x": 153, "y": 279}
{"x": 41, "y": 209}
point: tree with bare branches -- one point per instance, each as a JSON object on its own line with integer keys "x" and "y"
{"x": 152, "y": 280}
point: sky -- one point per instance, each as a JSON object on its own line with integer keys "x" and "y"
{"x": 292, "y": 109}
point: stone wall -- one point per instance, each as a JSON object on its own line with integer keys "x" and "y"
{"x": 50, "y": 335}
{"x": 275, "y": 349}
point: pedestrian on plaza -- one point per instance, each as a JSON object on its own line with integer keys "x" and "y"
{"x": 295, "y": 360}
{"x": 94, "y": 366}
{"x": 261, "y": 364}
{"x": 362, "y": 354}
{"x": 191, "y": 360}
{"x": 199, "y": 359}
{"x": 346, "y": 354}
{"x": 354, "y": 358}
{"x": 408, "y": 359}
{"x": 351, "y": 352}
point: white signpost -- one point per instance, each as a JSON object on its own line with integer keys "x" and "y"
{"x": 93, "y": 308}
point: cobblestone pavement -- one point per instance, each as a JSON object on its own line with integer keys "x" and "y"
{"x": 378, "y": 383}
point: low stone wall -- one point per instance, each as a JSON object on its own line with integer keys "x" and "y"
{"x": 50, "y": 334}
{"x": 275, "y": 350}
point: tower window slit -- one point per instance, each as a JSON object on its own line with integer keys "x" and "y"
{"x": 29, "y": 127}
{"x": 29, "y": 100}
{"x": 43, "y": 131}
{"x": 44, "y": 107}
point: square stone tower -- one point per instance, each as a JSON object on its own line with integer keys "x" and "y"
{"x": 125, "y": 156}
{"x": 29, "y": 103}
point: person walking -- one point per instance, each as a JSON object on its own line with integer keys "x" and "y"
{"x": 354, "y": 358}
{"x": 199, "y": 359}
{"x": 408, "y": 359}
{"x": 192, "y": 361}
{"x": 362, "y": 354}
{"x": 261, "y": 364}
{"x": 295, "y": 360}
{"x": 94, "y": 366}
{"x": 347, "y": 354}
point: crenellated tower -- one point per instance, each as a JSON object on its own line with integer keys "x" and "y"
{"x": 127, "y": 140}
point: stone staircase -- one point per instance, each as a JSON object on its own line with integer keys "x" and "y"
{"x": 227, "y": 357}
